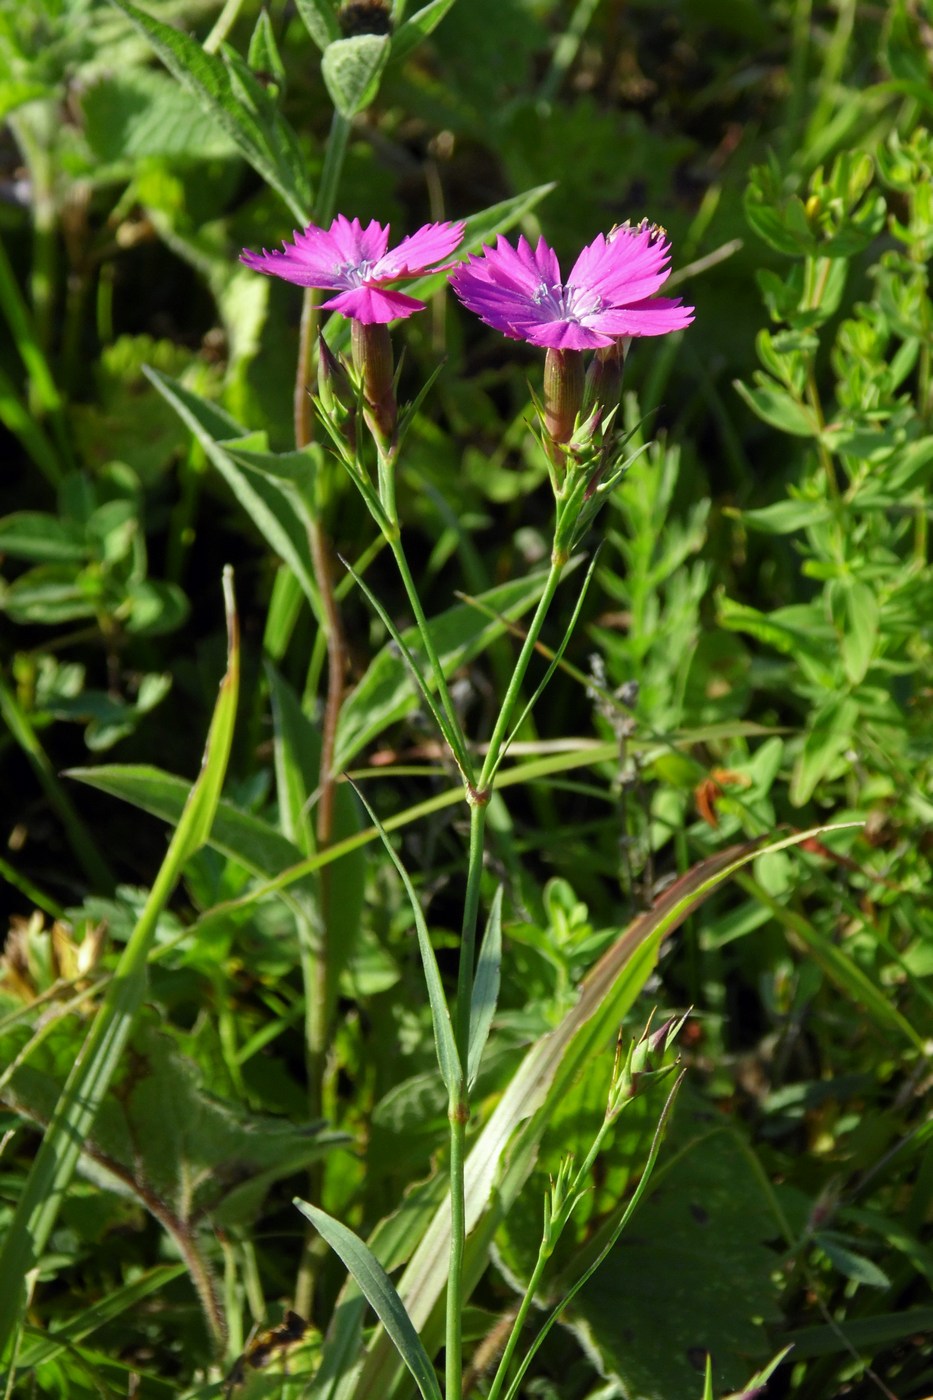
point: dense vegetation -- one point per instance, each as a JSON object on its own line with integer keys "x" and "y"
{"x": 749, "y": 660}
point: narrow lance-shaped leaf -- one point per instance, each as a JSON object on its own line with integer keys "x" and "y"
{"x": 485, "y": 988}
{"x": 57, "y": 1157}
{"x": 380, "y": 1293}
{"x": 447, "y": 1056}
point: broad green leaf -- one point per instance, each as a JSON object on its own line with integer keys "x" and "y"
{"x": 270, "y": 505}
{"x": 259, "y": 131}
{"x": 320, "y": 20}
{"x": 380, "y": 1293}
{"x": 386, "y": 693}
{"x": 485, "y": 988}
{"x": 142, "y": 112}
{"x": 775, "y": 406}
{"x": 700, "y": 1233}
{"x": 77, "y": 1109}
{"x": 352, "y": 69}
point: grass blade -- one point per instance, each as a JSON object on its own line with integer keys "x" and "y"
{"x": 485, "y": 988}
{"x": 380, "y": 1293}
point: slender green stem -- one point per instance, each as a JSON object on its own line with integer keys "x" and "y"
{"x": 521, "y": 1318}
{"x": 455, "y": 737}
{"x": 332, "y": 168}
{"x": 454, "y": 1336}
{"x": 468, "y": 934}
{"x": 494, "y": 752}
{"x": 222, "y": 25}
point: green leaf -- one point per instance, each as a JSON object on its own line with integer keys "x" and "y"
{"x": 143, "y": 112}
{"x": 44, "y": 539}
{"x": 272, "y": 506}
{"x": 422, "y": 23}
{"x": 485, "y": 988}
{"x": 263, "y": 54}
{"x": 380, "y": 1293}
{"x": 386, "y": 693}
{"x": 320, "y": 20}
{"x": 39, "y": 1347}
{"x": 784, "y": 517}
{"x": 445, "y": 1042}
{"x": 259, "y": 131}
{"x": 860, "y": 637}
{"x": 352, "y": 69}
{"x": 850, "y": 1264}
{"x": 776, "y": 407}
{"x": 831, "y": 729}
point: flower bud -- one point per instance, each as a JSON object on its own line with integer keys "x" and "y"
{"x": 563, "y": 393}
{"x": 372, "y": 359}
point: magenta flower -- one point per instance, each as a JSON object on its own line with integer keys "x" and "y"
{"x": 352, "y": 261}
{"x": 608, "y": 295}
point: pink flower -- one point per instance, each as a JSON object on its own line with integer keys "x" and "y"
{"x": 608, "y": 295}
{"x": 352, "y": 261}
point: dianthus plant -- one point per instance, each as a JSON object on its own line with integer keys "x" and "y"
{"x": 586, "y": 325}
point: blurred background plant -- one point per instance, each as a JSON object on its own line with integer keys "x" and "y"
{"x": 753, "y": 655}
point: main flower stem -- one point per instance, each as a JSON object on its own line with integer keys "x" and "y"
{"x": 459, "y": 1111}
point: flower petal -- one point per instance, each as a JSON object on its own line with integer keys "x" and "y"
{"x": 656, "y": 316}
{"x": 415, "y": 254}
{"x": 373, "y": 305}
{"x": 625, "y": 268}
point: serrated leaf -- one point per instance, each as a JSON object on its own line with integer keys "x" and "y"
{"x": 143, "y": 112}
{"x": 380, "y": 1293}
{"x": 352, "y": 69}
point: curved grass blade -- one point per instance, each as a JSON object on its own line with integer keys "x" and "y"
{"x": 380, "y": 1293}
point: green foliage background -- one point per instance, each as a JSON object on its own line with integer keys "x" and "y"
{"x": 753, "y": 658}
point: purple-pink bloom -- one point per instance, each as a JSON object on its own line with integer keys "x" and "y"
{"x": 352, "y": 261}
{"x": 608, "y": 295}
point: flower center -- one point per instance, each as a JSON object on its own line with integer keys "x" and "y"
{"x": 356, "y": 274}
{"x": 568, "y": 303}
